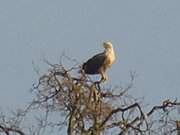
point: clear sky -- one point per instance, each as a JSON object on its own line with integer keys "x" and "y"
{"x": 145, "y": 34}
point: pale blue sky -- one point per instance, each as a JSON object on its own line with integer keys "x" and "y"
{"x": 145, "y": 34}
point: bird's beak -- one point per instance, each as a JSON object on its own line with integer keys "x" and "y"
{"x": 105, "y": 45}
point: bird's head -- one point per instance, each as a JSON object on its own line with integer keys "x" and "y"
{"x": 107, "y": 45}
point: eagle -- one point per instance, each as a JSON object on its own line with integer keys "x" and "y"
{"x": 99, "y": 63}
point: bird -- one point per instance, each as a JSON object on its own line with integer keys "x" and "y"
{"x": 99, "y": 63}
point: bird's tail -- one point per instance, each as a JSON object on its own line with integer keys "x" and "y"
{"x": 81, "y": 69}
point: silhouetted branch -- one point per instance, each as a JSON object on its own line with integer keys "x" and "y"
{"x": 70, "y": 98}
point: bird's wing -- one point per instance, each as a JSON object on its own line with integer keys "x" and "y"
{"x": 93, "y": 65}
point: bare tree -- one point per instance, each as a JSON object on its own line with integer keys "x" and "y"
{"x": 84, "y": 107}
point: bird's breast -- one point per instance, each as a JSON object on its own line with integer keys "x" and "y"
{"x": 110, "y": 58}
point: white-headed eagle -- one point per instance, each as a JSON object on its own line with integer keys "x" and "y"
{"x": 99, "y": 63}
